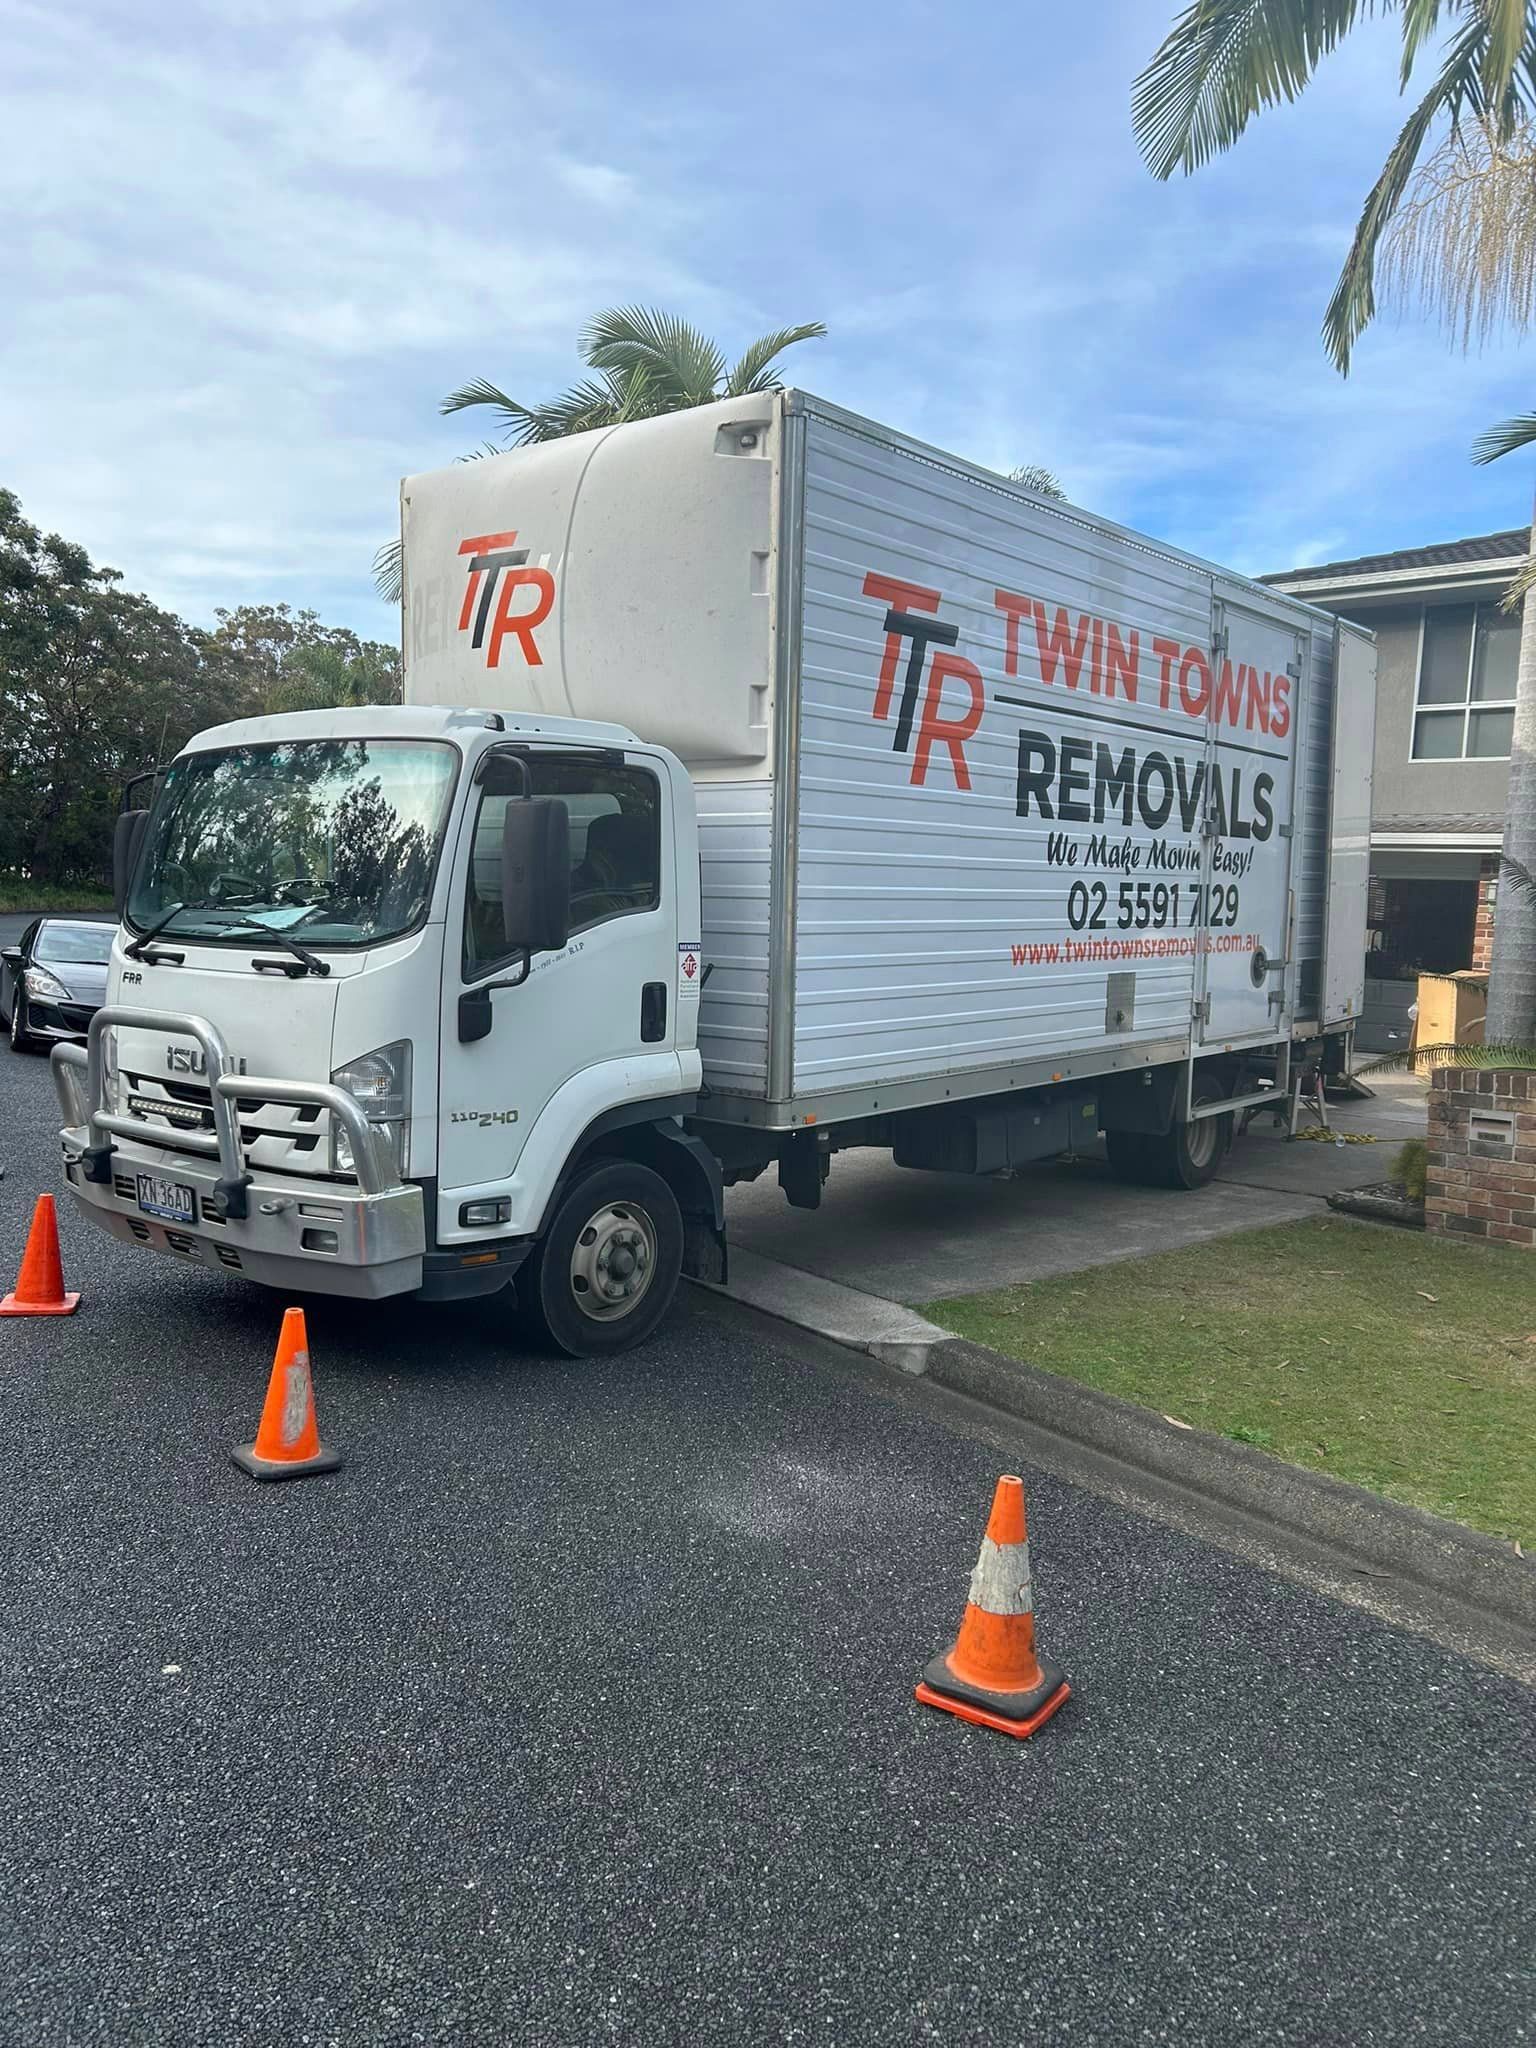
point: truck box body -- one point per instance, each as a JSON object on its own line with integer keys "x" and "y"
{"x": 991, "y": 792}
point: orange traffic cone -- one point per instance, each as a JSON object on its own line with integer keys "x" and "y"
{"x": 287, "y": 1442}
{"x": 40, "y": 1288}
{"x": 992, "y": 1675}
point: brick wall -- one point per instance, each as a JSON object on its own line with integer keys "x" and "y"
{"x": 1481, "y": 1180}
{"x": 1487, "y": 895}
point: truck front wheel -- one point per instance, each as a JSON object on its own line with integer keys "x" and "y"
{"x": 606, "y": 1270}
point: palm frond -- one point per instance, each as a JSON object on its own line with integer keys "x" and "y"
{"x": 1421, "y": 24}
{"x": 1508, "y": 34}
{"x": 1425, "y": 1057}
{"x": 1462, "y": 244}
{"x": 756, "y": 367}
{"x": 478, "y": 391}
{"x": 595, "y": 402}
{"x": 671, "y": 352}
{"x": 389, "y": 572}
{"x": 1516, "y": 871}
{"x": 1505, "y": 438}
{"x": 1354, "y": 296}
{"x": 1035, "y": 477}
{"x": 1520, "y": 588}
{"x": 515, "y": 418}
{"x": 1222, "y": 62}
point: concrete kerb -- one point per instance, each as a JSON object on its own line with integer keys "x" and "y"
{"x": 1386, "y": 1538}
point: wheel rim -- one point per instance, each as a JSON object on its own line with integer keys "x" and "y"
{"x": 1200, "y": 1139}
{"x": 613, "y": 1262}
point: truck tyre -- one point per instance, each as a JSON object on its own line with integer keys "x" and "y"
{"x": 605, "y": 1272}
{"x": 1187, "y": 1156}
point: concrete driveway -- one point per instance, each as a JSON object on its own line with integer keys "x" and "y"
{"x": 912, "y": 1237}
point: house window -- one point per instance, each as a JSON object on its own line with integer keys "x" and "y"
{"x": 1468, "y": 659}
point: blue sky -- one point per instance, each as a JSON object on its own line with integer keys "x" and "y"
{"x": 259, "y": 239}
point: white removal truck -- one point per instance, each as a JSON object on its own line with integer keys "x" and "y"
{"x": 766, "y": 784}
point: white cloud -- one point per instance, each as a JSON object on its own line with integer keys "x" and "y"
{"x": 247, "y": 270}
{"x": 600, "y": 183}
{"x": 252, "y": 243}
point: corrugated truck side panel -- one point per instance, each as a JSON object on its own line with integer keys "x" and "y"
{"x": 951, "y": 922}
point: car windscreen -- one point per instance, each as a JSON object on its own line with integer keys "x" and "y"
{"x": 78, "y": 944}
{"x": 335, "y": 841}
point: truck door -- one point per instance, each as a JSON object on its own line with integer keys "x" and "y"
{"x": 590, "y": 1019}
{"x": 1243, "y": 973}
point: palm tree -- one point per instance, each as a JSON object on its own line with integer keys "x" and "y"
{"x": 1224, "y": 61}
{"x": 1035, "y": 477}
{"x": 646, "y": 362}
{"x": 1443, "y": 225}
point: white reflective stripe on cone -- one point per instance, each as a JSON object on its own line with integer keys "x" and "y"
{"x": 296, "y": 1398}
{"x": 1000, "y": 1583}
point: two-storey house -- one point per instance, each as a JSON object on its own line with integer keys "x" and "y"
{"x": 1445, "y": 707}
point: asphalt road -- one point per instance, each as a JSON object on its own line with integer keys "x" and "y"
{"x": 577, "y": 1708}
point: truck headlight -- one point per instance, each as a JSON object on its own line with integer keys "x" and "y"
{"x": 380, "y": 1083}
{"x": 114, "y": 1088}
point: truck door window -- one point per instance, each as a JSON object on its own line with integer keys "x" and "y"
{"x": 615, "y": 814}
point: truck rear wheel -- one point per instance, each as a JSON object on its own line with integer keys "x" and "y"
{"x": 606, "y": 1270}
{"x": 1186, "y": 1156}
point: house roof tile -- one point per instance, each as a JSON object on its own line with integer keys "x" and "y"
{"x": 1478, "y": 547}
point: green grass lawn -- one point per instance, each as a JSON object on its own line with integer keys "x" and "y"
{"x": 1398, "y": 1362}
{"x": 32, "y": 898}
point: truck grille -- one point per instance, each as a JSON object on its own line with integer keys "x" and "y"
{"x": 282, "y": 1137}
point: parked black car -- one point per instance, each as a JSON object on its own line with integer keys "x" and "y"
{"x": 55, "y": 980}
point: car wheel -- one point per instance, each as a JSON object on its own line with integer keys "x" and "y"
{"x": 606, "y": 1270}
{"x": 21, "y": 1038}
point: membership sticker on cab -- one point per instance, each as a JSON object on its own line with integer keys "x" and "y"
{"x": 690, "y": 972}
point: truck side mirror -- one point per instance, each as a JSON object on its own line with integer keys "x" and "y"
{"x": 536, "y": 874}
{"x": 127, "y": 842}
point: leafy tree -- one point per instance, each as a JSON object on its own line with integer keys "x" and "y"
{"x": 94, "y": 683}
{"x": 98, "y": 684}
{"x": 289, "y": 661}
{"x": 645, "y": 362}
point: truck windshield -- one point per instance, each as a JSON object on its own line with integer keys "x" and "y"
{"x": 333, "y": 840}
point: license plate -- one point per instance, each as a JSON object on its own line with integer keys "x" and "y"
{"x": 171, "y": 1200}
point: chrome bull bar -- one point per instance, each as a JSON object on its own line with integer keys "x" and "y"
{"x": 79, "y": 1078}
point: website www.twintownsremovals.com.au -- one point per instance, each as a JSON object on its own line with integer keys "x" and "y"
{"x": 1171, "y": 946}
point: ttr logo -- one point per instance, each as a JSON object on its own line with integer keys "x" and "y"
{"x": 496, "y": 572}
{"x": 904, "y": 622}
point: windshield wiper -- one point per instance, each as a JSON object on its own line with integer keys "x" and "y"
{"x": 135, "y": 947}
{"x": 313, "y": 964}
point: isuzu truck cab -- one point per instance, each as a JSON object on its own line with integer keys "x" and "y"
{"x": 766, "y": 784}
{"x": 395, "y": 1008}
